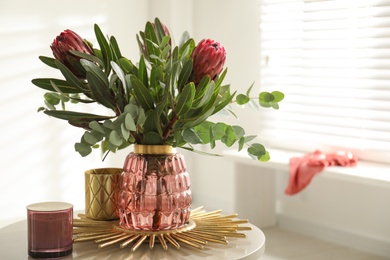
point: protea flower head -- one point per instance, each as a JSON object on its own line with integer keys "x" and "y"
{"x": 66, "y": 41}
{"x": 209, "y": 58}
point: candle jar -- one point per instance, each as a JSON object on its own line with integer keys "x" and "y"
{"x": 49, "y": 229}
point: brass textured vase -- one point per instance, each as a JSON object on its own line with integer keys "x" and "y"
{"x": 154, "y": 191}
{"x": 101, "y": 193}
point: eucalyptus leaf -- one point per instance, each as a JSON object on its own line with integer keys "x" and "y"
{"x": 129, "y": 123}
{"x": 125, "y": 132}
{"x": 229, "y": 137}
{"x": 242, "y": 99}
{"x": 190, "y": 136}
{"x": 89, "y": 138}
{"x": 218, "y": 130}
{"x": 94, "y": 125}
{"x": 115, "y": 138}
{"x": 83, "y": 149}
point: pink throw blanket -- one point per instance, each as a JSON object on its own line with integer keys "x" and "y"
{"x": 303, "y": 169}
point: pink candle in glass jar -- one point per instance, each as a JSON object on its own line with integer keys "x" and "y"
{"x": 50, "y": 229}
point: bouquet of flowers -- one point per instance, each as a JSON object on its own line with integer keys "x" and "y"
{"x": 165, "y": 98}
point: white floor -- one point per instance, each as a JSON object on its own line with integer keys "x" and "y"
{"x": 283, "y": 245}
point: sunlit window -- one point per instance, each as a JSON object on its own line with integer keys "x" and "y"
{"x": 332, "y": 60}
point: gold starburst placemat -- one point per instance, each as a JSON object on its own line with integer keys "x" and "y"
{"x": 203, "y": 228}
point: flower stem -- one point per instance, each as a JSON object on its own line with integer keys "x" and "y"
{"x": 168, "y": 129}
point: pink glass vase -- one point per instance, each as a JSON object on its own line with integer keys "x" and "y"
{"x": 154, "y": 191}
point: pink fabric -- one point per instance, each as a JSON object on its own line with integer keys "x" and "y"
{"x": 303, "y": 169}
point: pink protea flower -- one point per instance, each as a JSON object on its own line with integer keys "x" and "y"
{"x": 66, "y": 41}
{"x": 209, "y": 58}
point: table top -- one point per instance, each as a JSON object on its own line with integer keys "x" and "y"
{"x": 13, "y": 245}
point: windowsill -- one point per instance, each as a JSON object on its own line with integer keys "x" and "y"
{"x": 365, "y": 172}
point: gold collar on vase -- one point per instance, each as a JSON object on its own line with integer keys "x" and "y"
{"x": 153, "y": 149}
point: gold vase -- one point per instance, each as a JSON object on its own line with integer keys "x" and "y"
{"x": 101, "y": 193}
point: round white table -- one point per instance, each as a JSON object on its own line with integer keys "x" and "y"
{"x": 13, "y": 245}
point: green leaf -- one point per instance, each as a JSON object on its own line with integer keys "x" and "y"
{"x": 257, "y": 151}
{"x": 229, "y": 137}
{"x": 225, "y": 100}
{"x": 242, "y": 99}
{"x": 100, "y": 90}
{"x": 185, "y": 73}
{"x": 164, "y": 43}
{"x": 151, "y": 42}
{"x": 221, "y": 78}
{"x": 160, "y": 33}
{"x": 264, "y": 158}
{"x": 92, "y": 67}
{"x": 45, "y": 83}
{"x": 218, "y": 130}
{"x": 249, "y": 138}
{"x": 156, "y": 76}
{"x": 241, "y": 143}
{"x": 87, "y": 56}
{"x": 105, "y": 48}
{"x": 71, "y": 78}
{"x": 71, "y": 115}
{"x": 119, "y": 72}
{"x": 83, "y": 149}
{"x": 48, "y": 61}
{"x": 141, "y": 93}
{"x": 125, "y": 132}
{"x": 109, "y": 124}
{"x": 115, "y": 48}
{"x": 190, "y": 136}
{"x": 203, "y": 131}
{"x": 200, "y": 118}
{"x": 127, "y": 65}
{"x": 89, "y": 138}
{"x": 266, "y": 97}
{"x": 248, "y": 92}
{"x": 52, "y": 98}
{"x": 129, "y": 123}
{"x": 96, "y": 126}
{"x": 142, "y": 72}
{"x": 278, "y": 96}
{"x": 208, "y": 94}
{"x": 115, "y": 138}
{"x": 185, "y": 99}
{"x": 186, "y": 48}
{"x": 153, "y": 138}
{"x": 238, "y": 130}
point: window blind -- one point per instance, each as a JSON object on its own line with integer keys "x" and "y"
{"x": 332, "y": 61}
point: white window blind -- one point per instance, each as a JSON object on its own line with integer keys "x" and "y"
{"x": 332, "y": 61}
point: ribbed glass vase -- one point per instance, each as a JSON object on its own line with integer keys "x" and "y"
{"x": 154, "y": 189}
